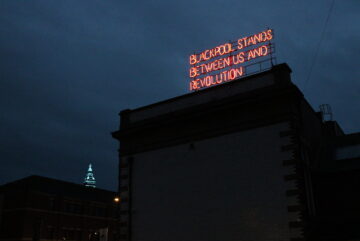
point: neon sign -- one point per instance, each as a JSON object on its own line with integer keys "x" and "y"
{"x": 224, "y": 62}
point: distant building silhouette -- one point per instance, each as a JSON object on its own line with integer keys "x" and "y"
{"x": 89, "y": 178}
{"x": 336, "y": 186}
{"x": 245, "y": 160}
{"x": 41, "y": 208}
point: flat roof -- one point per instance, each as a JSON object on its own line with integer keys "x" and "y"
{"x": 221, "y": 91}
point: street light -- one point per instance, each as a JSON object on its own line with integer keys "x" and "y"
{"x": 117, "y": 201}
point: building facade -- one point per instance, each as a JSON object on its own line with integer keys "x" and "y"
{"x": 40, "y": 208}
{"x": 238, "y": 161}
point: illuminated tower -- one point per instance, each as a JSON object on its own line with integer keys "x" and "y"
{"x": 90, "y": 179}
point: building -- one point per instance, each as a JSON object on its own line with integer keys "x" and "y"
{"x": 238, "y": 161}
{"x": 41, "y": 208}
{"x": 336, "y": 181}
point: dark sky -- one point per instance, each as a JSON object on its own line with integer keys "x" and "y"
{"x": 68, "y": 67}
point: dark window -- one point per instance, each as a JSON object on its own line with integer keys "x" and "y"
{"x": 100, "y": 211}
{"x": 73, "y": 208}
{"x": 70, "y": 234}
{"x": 50, "y": 232}
{"x": 52, "y": 204}
{"x": 123, "y": 236}
{"x": 78, "y": 235}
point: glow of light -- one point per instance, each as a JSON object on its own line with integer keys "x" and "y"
{"x": 199, "y": 72}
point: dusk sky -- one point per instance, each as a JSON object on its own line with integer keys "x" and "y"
{"x": 67, "y": 68}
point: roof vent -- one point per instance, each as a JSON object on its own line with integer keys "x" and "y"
{"x": 326, "y": 112}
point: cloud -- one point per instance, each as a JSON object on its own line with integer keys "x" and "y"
{"x": 68, "y": 68}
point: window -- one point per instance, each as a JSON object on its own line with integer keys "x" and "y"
{"x": 72, "y": 207}
{"x": 50, "y": 232}
{"x": 348, "y": 152}
{"x": 52, "y": 204}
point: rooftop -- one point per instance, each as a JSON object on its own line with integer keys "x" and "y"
{"x": 58, "y": 187}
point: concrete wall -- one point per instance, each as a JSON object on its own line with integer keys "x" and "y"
{"x": 230, "y": 187}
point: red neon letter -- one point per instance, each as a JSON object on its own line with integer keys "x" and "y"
{"x": 242, "y": 43}
{"x": 264, "y": 47}
{"x": 193, "y": 72}
{"x": 269, "y": 34}
{"x": 193, "y": 59}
